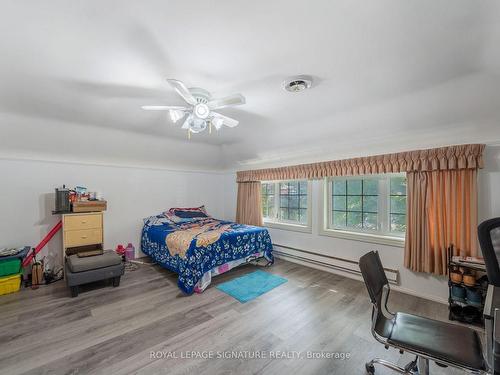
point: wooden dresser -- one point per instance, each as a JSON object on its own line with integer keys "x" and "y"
{"x": 82, "y": 229}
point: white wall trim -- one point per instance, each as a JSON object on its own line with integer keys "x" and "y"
{"x": 112, "y": 165}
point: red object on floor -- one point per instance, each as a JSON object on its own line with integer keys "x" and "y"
{"x": 42, "y": 243}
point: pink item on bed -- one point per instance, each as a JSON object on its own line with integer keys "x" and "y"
{"x": 223, "y": 268}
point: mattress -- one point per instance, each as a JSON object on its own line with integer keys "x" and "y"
{"x": 197, "y": 246}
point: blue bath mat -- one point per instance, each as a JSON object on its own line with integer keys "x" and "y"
{"x": 252, "y": 285}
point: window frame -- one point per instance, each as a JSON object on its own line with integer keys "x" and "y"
{"x": 276, "y": 222}
{"x": 383, "y": 235}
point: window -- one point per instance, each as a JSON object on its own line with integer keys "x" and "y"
{"x": 293, "y": 201}
{"x": 267, "y": 196}
{"x": 372, "y": 205}
{"x": 286, "y": 202}
{"x": 397, "y": 211}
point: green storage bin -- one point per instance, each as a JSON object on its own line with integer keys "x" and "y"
{"x": 10, "y": 266}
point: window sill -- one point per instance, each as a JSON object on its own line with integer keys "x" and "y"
{"x": 365, "y": 237}
{"x": 288, "y": 226}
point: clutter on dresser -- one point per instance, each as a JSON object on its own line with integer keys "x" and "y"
{"x": 78, "y": 199}
{"x": 467, "y": 284}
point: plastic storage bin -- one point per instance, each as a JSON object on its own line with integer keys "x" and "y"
{"x": 10, "y": 284}
{"x": 10, "y": 267}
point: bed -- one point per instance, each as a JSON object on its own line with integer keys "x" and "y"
{"x": 198, "y": 247}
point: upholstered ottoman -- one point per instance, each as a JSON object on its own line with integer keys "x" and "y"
{"x": 85, "y": 270}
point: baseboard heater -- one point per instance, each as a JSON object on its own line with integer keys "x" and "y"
{"x": 329, "y": 261}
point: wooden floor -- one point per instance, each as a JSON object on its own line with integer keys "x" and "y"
{"x": 114, "y": 330}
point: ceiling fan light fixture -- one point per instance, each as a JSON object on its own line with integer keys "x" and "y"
{"x": 201, "y": 110}
{"x": 217, "y": 122}
{"x": 176, "y": 115}
{"x": 197, "y": 125}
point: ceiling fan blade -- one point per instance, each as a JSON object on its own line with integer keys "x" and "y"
{"x": 228, "y": 121}
{"x": 235, "y": 99}
{"x": 183, "y": 91}
{"x": 163, "y": 108}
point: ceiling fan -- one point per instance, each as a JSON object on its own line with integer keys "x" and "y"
{"x": 200, "y": 109}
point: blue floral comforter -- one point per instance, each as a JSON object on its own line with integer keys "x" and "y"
{"x": 192, "y": 248}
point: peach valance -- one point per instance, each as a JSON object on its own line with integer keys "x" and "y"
{"x": 468, "y": 156}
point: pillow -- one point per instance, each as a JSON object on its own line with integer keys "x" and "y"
{"x": 198, "y": 209}
{"x": 156, "y": 220}
{"x": 176, "y": 219}
{"x": 189, "y": 214}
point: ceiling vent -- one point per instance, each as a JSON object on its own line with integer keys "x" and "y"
{"x": 297, "y": 83}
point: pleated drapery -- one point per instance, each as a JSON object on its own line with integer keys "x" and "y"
{"x": 249, "y": 205}
{"x": 443, "y": 158}
{"x": 441, "y": 211}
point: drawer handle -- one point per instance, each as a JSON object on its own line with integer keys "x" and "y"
{"x": 84, "y": 237}
{"x": 84, "y": 221}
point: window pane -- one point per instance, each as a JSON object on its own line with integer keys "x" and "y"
{"x": 283, "y": 188}
{"x": 398, "y": 204}
{"x": 370, "y": 204}
{"x": 293, "y": 214}
{"x": 284, "y": 213}
{"x": 303, "y": 216}
{"x": 370, "y": 221}
{"x": 398, "y": 185}
{"x": 293, "y": 201}
{"x": 339, "y": 219}
{"x": 354, "y": 187}
{"x": 354, "y": 203}
{"x": 370, "y": 187}
{"x": 354, "y": 220}
{"x": 303, "y": 187}
{"x": 339, "y": 203}
{"x": 270, "y": 205}
{"x": 398, "y": 223}
{"x": 284, "y": 201}
{"x": 339, "y": 187}
{"x": 303, "y": 201}
{"x": 293, "y": 187}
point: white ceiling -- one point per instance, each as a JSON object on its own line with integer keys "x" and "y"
{"x": 390, "y": 75}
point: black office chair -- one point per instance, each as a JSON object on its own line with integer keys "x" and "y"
{"x": 446, "y": 344}
{"x": 489, "y": 239}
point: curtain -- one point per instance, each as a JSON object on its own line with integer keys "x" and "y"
{"x": 249, "y": 205}
{"x": 468, "y": 156}
{"x": 441, "y": 211}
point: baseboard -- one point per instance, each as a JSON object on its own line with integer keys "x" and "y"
{"x": 325, "y": 266}
{"x": 347, "y": 266}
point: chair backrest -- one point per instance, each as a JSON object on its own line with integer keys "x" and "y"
{"x": 374, "y": 276}
{"x": 378, "y": 289}
{"x": 489, "y": 239}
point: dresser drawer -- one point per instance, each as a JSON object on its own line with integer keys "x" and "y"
{"x": 82, "y": 237}
{"x": 78, "y": 222}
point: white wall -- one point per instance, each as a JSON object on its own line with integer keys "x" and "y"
{"x": 489, "y": 184}
{"x": 27, "y": 198}
{"x": 420, "y": 284}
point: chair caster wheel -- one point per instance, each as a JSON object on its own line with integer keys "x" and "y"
{"x": 370, "y": 369}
